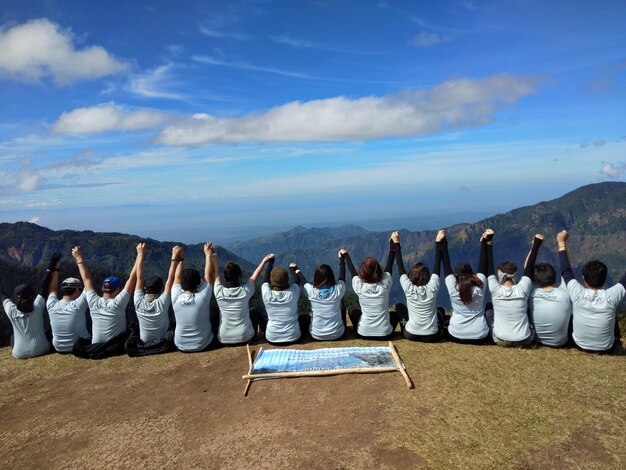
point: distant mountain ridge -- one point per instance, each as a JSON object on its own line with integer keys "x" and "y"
{"x": 594, "y": 214}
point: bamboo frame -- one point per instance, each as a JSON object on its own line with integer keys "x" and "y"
{"x": 320, "y": 373}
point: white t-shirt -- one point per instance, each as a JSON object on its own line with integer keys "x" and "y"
{"x": 421, "y": 303}
{"x": 29, "y": 338}
{"x": 551, "y": 311}
{"x": 152, "y": 316}
{"x": 108, "y": 316}
{"x": 326, "y": 322}
{"x": 467, "y": 321}
{"x": 68, "y": 321}
{"x": 510, "y": 309}
{"x": 234, "y": 303}
{"x": 282, "y": 313}
{"x": 193, "y": 322}
{"x": 594, "y": 315}
{"x": 374, "y": 302}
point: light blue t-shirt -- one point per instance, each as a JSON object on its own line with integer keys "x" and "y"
{"x": 153, "y": 317}
{"x": 594, "y": 315}
{"x": 550, "y": 313}
{"x": 193, "y": 322}
{"x": 421, "y": 304}
{"x": 374, "y": 302}
{"x": 326, "y": 322}
{"x": 234, "y": 303}
{"x": 282, "y": 313}
{"x": 468, "y": 321}
{"x": 510, "y": 309}
{"x": 108, "y": 316}
{"x": 29, "y": 337}
{"x": 68, "y": 321}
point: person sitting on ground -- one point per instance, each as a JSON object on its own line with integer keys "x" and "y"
{"x": 420, "y": 319}
{"x": 191, "y": 296}
{"x": 280, "y": 298}
{"x": 550, "y": 308}
{"x": 152, "y": 302}
{"x": 108, "y": 313}
{"x": 328, "y": 320}
{"x": 68, "y": 315}
{"x": 469, "y": 323}
{"x": 26, "y": 316}
{"x": 238, "y": 323}
{"x": 373, "y": 320}
{"x": 595, "y": 326}
{"x": 511, "y": 325}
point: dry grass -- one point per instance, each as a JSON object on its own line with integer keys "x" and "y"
{"x": 473, "y": 407}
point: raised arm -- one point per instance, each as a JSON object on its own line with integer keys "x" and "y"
{"x": 270, "y": 265}
{"x": 142, "y": 249}
{"x": 441, "y": 235}
{"x": 566, "y": 269}
{"x": 342, "y": 265}
{"x": 132, "y": 278}
{"x": 215, "y": 272}
{"x": 50, "y": 282}
{"x": 259, "y": 268}
{"x": 345, "y": 255}
{"x": 447, "y": 268}
{"x": 174, "y": 262}
{"x": 529, "y": 264}
{"x": 297, "y": 272}
{"x": 180, "y": 265}
{"x": 82, "y": 268}
{"x": 485, "y": 263}
{"x": 391, "y": 254}
{"x": 395, "y": 238}
{"x": 208, "y": 262}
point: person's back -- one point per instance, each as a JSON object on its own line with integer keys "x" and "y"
{"x": 152, "y": 315}
{"x": 108, "y": 314}
{"x": 235, "y": 323}
{"x": 193, "y": 323}
{"x": 374, "y": 302}
{"x": 510, "y": 305}
{"x": 282, "y": 313}
{"x": 550, "y": 308}
{"x": 29, "y": 338}
{"x": 326, "y": 321}
{"x": 595, "y": 326}
{"x": 67, "y": 316}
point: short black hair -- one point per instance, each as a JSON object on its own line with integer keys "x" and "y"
{"x": 508, "y": 267}
{"x": 232, "y": 273}
{"x": 69, "y": 290}
{"x": 544, "y": 274}
{"x": 154, "y": 285}
{"x": 190, "y": 280}
{"x": 595, "y": 273}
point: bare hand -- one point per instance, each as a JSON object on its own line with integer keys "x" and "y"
{"x": 77, "y": 254}
{"x": 269, "y": 257}
{"x": 208, "y": 249}
{"x": 539, "y": 236}
{"x": 177, "y": 252}
{"x": 441, "y": 234}
{"x": 293, "y": 265}
{"x": 562, "y": 237}
{"x": 342, "y": 252}
{"x": 489, "y": 232}
{"x": 395, "y": 237}
{"x": 142, "y": 248}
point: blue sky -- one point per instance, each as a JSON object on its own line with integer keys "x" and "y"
{"x": 180, "y": 119}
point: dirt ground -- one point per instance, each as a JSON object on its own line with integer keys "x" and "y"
{"x": 188, "y": 411}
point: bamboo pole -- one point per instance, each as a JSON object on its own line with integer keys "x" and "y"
{"x": 245, "y": 392}
{"x": 396, "y": 357}
{"x": 312, "y": 373}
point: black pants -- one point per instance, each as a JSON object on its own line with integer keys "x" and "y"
{"x": 85, "y": 349}
{"x": 355, "y": 316}
{"x": 137, "y": 348}
{"x": 403, "y": 316}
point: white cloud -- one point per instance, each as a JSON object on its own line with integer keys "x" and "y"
{"x": 155, "y": 83}
{"x": 33, "y": 220}
{"x": 453, "y": 104}
{"x": 40, "y": 48}
{"x": 247, "y": 66}
{"x": 611, "y": 170}
{"x": 106, "y": 118}
{"x": 214, "y": 33}
{"x": 27, "y": 180}
{"x": 427, "y": 39}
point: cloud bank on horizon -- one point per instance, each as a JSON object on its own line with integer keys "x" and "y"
{"x": 231, "y": 109}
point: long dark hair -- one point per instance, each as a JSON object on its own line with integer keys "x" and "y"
{"x": 419, "y": 274}
{"x": 323, "y": 276}
{"x": 464, "y": 284}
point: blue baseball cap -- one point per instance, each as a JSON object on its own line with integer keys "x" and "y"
{"x": 112, "y": 283}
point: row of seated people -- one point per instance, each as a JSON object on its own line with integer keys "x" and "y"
{"x": 531, "y": 310}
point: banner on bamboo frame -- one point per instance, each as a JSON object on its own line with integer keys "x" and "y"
{"x": 284, "y": 363}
